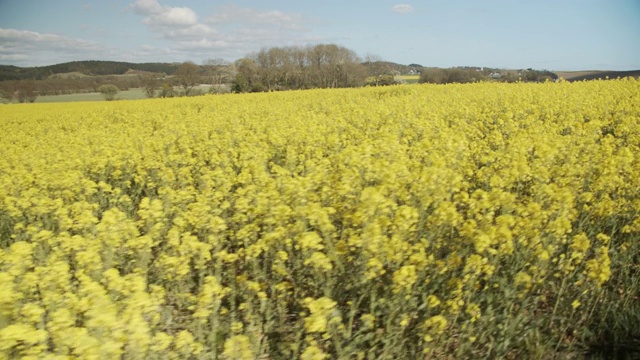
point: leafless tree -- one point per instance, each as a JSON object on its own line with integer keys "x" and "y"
{"x": 26, "y": 91}
{"x": 218, "y": 72}
{"x": 151, "y": 84}
{"x": 324, "y": 65}
{"x": 187, "y": 76}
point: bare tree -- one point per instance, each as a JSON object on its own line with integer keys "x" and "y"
{"x": 299, "y": 63}
{"x": 26, "y": 91}
{"x": 151, "y": 84}
{"x": 7, "y": 92}
{"x": 335, "y": 66}
{"x": 324, "y": 65}
{"x": 188, "y": 76}
{"x": 218, "y": 72}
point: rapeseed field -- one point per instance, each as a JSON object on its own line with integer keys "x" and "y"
{"x": 416, "y": 221}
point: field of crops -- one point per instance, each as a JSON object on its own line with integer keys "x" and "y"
{"x": 414, "y": 221}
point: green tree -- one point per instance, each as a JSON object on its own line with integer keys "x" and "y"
{"x": 247, "y": 77}
{"x": 379, "y": 71}
{"x": 109, "y": 91}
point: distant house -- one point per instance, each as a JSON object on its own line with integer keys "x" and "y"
{"x": 495, "y": 75}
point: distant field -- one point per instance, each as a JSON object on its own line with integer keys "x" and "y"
{"x": 132, "y": 94}
{"x": 411, "y": 79}
{"x": 568, "y": 75}
{"x": 595, "y": 74}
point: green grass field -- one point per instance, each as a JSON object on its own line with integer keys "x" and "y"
{"x": 132, "y": 94}
{"x": 408, "y": 79}
{"x": 411, "y": 79}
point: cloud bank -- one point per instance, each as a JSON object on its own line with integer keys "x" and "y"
{"x": 230, "y": 32}
{"x": 22, "y": 45}
{"x": 170, "y": 33}
{"x": 402, "y": 8}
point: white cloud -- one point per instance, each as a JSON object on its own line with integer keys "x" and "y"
{"x": 196, "y": 31}
{"x": 252, "y": 17}
{"x": 203, "y": 44}
{"x": 13, "y": 58}
{"x": 148, "y": 53}
{"x": 178, "y": 16}
{"x": 230, "y": 32}
{"x": 22, "y": 46}
{"x": 170, "y": 22}
{"x": 146, "y": 7}
{"x": 402, "y": 8}
{"x": 32, "y": 37}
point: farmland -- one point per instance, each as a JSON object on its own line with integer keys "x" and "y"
{"x": 411, "y": 79}
{"x": 131, "y": 94}
{"x": 484, "y": 220}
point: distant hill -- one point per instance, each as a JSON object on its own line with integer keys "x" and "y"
{"x": 375, "y": 67}
{"x": 596, "y": 74}
{"x": 89, "y": 68}
{"x": 78, "y": 69}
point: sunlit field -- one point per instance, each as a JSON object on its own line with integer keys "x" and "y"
{"x": 415, "y": 221}
{"x": 411, "y": 79}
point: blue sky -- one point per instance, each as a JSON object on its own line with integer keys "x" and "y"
{"x": 545, "y": 34}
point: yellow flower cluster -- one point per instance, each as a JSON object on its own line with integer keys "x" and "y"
{"x": 313, "y": 224}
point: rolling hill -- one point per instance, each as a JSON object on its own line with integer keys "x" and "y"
{"x": 91, "y": 67}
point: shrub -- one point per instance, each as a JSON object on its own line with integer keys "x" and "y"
{"x": 109, "y": 91}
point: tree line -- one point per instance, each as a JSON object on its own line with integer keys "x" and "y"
{"x": 89, "y": 67}
{"x": 475, "y": 74}
{"x": 29, "y": 90}
{"x": 270, "y": 69}
{"x": 299, "y": 67}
